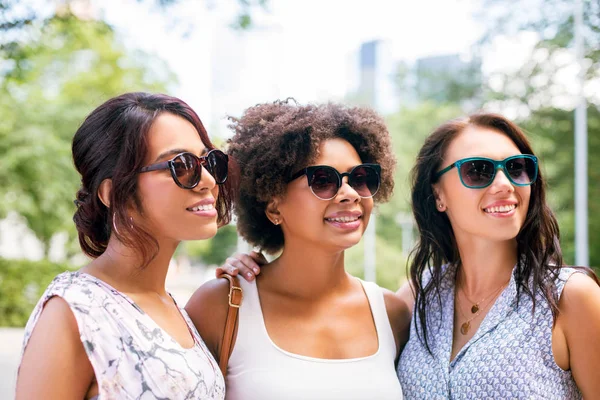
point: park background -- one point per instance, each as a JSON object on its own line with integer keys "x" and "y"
{"x": 417, "y": 63}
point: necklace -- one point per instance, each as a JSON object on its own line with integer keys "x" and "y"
{"x": 477, "y": 307}
{"x": 465, "y": 327}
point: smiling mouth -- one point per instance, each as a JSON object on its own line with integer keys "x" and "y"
{"x": 343, "y": 219}
{"x": 204, "y": 207}
{"x": 500, "y": 209}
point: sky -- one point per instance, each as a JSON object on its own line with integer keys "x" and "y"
{"x": 302, "y": 49}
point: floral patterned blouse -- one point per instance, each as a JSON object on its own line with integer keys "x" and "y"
{"x": 509, "y": 357}
{"x": 132, "y": 357}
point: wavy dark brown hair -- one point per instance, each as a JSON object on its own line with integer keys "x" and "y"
{"x": 112, "y": 143}
{"x": 539, "y": 253}
{"x": 274, "y": 140}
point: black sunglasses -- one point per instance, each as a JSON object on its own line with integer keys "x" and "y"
{"x": 186, "y": 168}
{"x": 479, "y": 172}
{"x": 325, "y": 181}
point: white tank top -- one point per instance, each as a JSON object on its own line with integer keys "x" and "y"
{"x": 260, "y": 370}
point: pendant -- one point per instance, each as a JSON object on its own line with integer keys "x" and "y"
{"x": 475, "y": 308}
{"x": 464, "y": 328}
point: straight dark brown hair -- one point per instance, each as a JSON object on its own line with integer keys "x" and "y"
{"x": 539, "y": 254}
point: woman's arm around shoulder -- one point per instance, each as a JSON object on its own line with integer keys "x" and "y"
{"x": 55, "y": 364}
{"x": 579, "y": 318}
{"x": 399, "y": 313}
{"x": 207, "y": 309}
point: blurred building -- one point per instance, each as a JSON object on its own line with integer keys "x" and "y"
{"x": 448, "y": 78}
{"x": 372, "y": 77}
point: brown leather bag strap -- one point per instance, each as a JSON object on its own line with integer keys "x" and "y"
{"x": 235, "y": 301}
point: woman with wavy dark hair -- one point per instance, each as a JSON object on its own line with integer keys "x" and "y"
{"x": 150, "y": 178}
{"x": 309, "y": 178}
{"x": 497, "y": 313}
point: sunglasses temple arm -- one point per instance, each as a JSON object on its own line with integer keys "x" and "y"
{"x": 155, "y": 167}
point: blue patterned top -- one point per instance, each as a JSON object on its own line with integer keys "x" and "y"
{"x": 509, "y": 357}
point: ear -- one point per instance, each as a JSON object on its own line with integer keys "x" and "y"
{"x": 273, "y": 213}
{"x": 104, "y": 191}
{"x": 438, "y": 194}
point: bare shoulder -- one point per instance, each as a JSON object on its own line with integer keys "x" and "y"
{"x": 580, "y": 293}
{"x": 406, "y": 292}
{"x": 579, "y": 317}
{"x": 399, "y": 314}
{"x": 207, "y": 309}
{"x": 54, "y": 363}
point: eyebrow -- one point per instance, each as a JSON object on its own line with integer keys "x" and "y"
{"x": 174, "y": 152}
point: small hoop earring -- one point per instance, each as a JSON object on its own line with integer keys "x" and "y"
{"x": 276, "y": 222}
{"x": 114, "y": 224}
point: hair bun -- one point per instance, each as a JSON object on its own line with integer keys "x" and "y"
{"x": 82, "y": 197}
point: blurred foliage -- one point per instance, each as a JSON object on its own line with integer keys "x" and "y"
{"x": 22, "y": 283}
{"x": 537, "y": 81}
{"x": 214, "y": 250}
{"x": 17, "y": 14}
{"x": 552, "y": 134}
{"x": 390, "y": 262}
{"x": 47, "y": 87}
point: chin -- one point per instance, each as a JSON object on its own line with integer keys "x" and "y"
{"x": 201, "y": 234}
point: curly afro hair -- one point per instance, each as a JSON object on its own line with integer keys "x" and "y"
{"x": 274, "y": 140}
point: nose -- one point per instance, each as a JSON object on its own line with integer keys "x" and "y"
{"x": 346, "y": 193}
{"x": 501, "y": 183}
{"x": 207, "y": 181}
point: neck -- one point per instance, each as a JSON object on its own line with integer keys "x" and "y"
{"x": 308, "y": 272}
{"x": 122, "y": 267}
{"x": 485, "y": 265}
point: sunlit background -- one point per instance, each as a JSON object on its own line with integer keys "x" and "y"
{"x": 418, "y": 63}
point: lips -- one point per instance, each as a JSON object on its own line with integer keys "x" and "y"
{"x": 203, "y": 208}
{"x": 203, "y": 205}
{"x": 344, "y": 216}
{"x": 347, "y": 220}
{"x": 500, "y": 209}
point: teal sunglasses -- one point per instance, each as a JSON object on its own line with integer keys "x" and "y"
{"x": 479, "y": 172}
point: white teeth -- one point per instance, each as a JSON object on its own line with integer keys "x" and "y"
{"x": 205, "y": 207}
{"x": 500, "y": 209}
{"x": 343, "y": 219}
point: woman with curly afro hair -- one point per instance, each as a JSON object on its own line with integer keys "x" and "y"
{"x": 309, "y": 178}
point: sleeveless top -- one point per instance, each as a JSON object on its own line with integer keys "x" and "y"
{"x": 510, "y": 355}
{"x": 132, "y": 357}
{"x": 260, "y": 370}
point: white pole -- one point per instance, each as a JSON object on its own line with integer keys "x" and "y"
{"x": 581, "y": 152}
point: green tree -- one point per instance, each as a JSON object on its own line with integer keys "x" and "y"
{"x": 552, "y": 131}
{"x": 48, "y": 86}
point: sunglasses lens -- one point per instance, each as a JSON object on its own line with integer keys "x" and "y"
{"x": 217, "y": 165}
{"x": 364, "y": 180}
{"x": 186, "y": 169}
{"x": 324, "y": 183}
{"x": 477, "y": 173}
{"x": 521, "y": 170}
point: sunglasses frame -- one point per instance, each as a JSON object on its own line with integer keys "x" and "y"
{"x": 497, "y": 165}
{"x": 310, "y": 171}
{"x": 202, "y": 162}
